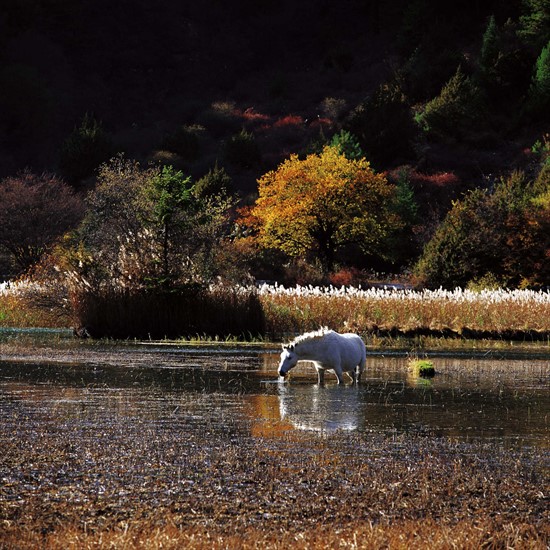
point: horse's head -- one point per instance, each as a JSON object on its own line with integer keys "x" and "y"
{"x": 289, "y": 358}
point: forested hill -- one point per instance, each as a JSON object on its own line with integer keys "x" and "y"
{"x": 291, "y": 73}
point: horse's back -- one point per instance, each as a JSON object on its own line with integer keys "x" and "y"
{"x": 354, "y": 338}
{"x": 352, "y": 348}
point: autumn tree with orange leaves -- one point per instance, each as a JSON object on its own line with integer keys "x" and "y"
{"x": 321, "y": 205}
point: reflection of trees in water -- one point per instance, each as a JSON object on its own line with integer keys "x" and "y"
{"x": 264, "y": 409}
{"x": 500, "y": 401}
{"x": 92, "y": 407}
{"x": 101, "y": 405}
{"x": 461, "y": 403}
{"x": 270, "y": 361}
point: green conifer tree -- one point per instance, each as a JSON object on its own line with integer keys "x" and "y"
{"x": 455, "y": 112}
{"x": 347, "y": 144}
{"x": 539, "y": 93}
{"x": 535, "y": 23}
{"x": 489, "y": 47}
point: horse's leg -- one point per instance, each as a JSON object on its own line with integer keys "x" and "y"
{"x": 339, "y": 374}
{"x": 321, "y": 377}
{"x": 361, "y": 367}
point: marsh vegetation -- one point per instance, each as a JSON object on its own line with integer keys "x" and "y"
{"x": 274, "y": 312}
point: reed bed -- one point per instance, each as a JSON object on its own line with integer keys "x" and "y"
{"x": 462, "y": 312}
{"x": 276, "y": 311}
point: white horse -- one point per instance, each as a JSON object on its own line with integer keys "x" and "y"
{"x": 327, "y": 350}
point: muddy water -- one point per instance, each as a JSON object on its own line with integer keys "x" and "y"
{"x": 503, "y": 402}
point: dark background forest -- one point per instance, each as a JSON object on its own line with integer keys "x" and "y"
{"x": 180, "y": 83}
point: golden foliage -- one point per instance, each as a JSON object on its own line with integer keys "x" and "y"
{"x": 320, "y": 204}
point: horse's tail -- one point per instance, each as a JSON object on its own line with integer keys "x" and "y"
{"x": 363, "y": 362}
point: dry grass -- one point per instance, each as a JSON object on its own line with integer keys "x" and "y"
{"x": 218, "y": 311}
{"x": 464, "y": 313}
{"x": 24, "y": 311}
{"x": 403, "y": 535}
{"x": 219, "y": 488}
{"x": 278, "y": 312}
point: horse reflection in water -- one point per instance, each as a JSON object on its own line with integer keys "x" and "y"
{"x": 327, "y": 350}
{"x": 322, "y": 409}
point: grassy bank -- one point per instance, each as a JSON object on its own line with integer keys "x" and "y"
{"x": 275, "y": 312}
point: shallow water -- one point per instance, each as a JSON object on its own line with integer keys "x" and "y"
{"x": 502, "y": 402}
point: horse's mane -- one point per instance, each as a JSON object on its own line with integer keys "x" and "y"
{"x": 309, "y": 336}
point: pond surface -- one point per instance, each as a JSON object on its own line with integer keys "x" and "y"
{"x": 503, "y": 402}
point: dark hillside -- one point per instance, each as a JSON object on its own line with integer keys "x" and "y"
{"x": 442, "y": 97}
{"x": 143, "y": 68}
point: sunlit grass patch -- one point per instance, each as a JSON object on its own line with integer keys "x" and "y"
{"x": 25, "y": 305}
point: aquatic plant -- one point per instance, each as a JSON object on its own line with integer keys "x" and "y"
{"x": 216, "y": 311}
{"x": 422, "y": 367}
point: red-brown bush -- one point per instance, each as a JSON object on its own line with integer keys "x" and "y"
{"x": 35, "y": 210}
